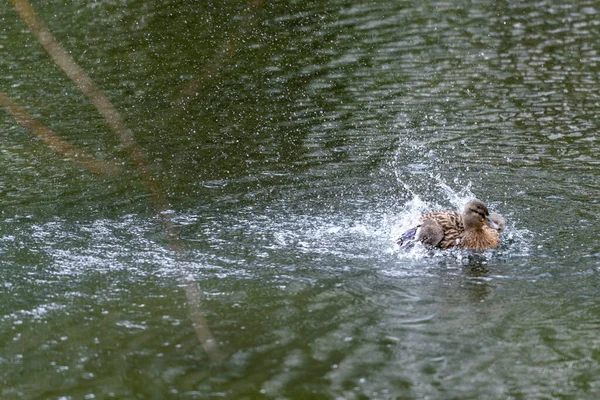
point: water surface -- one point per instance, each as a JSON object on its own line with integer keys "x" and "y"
{"x": 293, "y": 142}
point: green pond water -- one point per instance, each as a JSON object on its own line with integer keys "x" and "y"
{"x": 291, "y": 143}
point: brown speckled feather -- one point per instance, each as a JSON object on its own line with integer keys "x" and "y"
{"x": 453, "y": 228}
{"x": 452, "y": 225}
{"x": 482, "y": 239}
{"x": 473, "y": 229}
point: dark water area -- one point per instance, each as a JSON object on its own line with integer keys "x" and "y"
{"x": 293, "y": 142}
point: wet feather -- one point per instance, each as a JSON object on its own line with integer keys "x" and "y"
{"x": 446, "y": 229}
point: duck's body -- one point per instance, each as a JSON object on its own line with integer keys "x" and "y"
{"x": 472, "y": 229}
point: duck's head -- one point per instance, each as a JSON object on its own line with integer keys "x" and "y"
{"x": 476, "y": 215}
{"x": 498, "y": 220}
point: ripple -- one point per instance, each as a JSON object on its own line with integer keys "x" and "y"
{"x": 325, "y": 132}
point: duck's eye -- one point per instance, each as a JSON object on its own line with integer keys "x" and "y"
{"x": 478, "y": 211}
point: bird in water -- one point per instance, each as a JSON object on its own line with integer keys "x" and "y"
{"x": 498, "y": 220}
{"x": 475, "y": 228}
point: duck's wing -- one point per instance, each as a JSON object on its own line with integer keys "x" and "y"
{"x": 430, "y": 233}
{"x": 449, "y": 223}
{"x": 407, "y": 238}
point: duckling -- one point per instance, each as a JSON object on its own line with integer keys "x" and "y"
{"x": 473, "y": 229}
{"x": 499, "y": 220}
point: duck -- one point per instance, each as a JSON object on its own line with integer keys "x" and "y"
{"x": 499, "y": 220}
{"x": 475, "y": 228}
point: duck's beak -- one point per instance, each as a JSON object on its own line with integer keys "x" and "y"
{"x": 491, "y": 223}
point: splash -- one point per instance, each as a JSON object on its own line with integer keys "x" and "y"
{"x": 447, "y": 198}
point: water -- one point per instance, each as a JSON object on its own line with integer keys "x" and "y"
{"x": 293, "y": 142}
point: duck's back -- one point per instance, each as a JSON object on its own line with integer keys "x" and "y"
{"x": 451, "y": 224}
